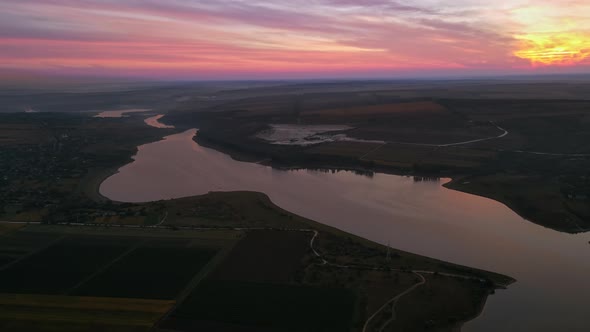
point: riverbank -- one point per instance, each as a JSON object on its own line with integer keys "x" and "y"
{"x": 54, "y": 160}
{"x": 90, "y": 184}
{"x": 353, "y": 260}
{"x": 176, "y": 210}
{"x": 518, "y": 143}
{"x": 416, "y": 215}
{"x": 546, "y": 209}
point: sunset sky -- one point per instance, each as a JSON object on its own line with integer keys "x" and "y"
{"x": 226, "y": 39}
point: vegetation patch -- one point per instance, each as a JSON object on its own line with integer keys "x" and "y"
{"x": 229, "y": 209}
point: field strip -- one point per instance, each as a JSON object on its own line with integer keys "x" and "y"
{"x": 221, "y": 255}
{"x": 2, "y": 268}
{"x": 82, "y": 310}
{"x": 106, "y": 266}
{"x": 89, "y": 302}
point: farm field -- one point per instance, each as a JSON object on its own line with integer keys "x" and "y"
{"x": 265, "y": 257}
{"x": 203, "y": 270}
{"x": 71, "y": 313}
{"x": 131, "y": 277}
{"x": 61, "y": 266}
{"x": 219, "y": 305}
{"x": 115, "y": 265}
{"x": 152, "y": 271}
{"x": 16, "y": 244}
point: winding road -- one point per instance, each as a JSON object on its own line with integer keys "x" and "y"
{"x": 503, "y": 134}
{"x": 393, "y": 302}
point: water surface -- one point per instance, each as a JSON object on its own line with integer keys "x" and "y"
{"x": 154, "y": 121}
{"x": 552, "y": 268}
{"x": 120, "y": 113}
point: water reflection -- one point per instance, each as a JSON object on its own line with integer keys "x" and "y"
{"x": 434, "y": 179}
{"x": 120, "y": 113}
{"x": 413, "y": 214}
{"x": 359, "y": 172}
{"x": 154, "y": 121}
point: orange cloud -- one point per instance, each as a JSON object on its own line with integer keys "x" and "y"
{"x": 319, "y": 38}
{"x": 555, "y": 49}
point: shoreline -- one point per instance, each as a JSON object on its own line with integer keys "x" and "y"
{"x": 480, "y": 310}
{"x": 94, "y": 181}
{"x": 455, "y": 177}
{"x": 100, "y": 177}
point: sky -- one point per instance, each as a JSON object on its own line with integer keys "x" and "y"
{"x": 252, "y": 39}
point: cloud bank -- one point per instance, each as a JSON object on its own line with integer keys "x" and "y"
{"x": 206, "y": 39}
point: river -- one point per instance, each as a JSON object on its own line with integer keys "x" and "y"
{"x": 552, "y": 268}
{"x": 120, "y": 113}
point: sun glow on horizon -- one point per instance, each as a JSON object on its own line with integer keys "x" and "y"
{"x": 555, "y": 49}
{"x": 564, "y": 49}
{"x": 294, "y": 39}
{"x": 553, "y": 34}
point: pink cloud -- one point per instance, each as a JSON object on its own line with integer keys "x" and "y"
{"x": 180, "y": 37}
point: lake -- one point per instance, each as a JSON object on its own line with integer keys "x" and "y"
{"x": 552, "y": 292}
